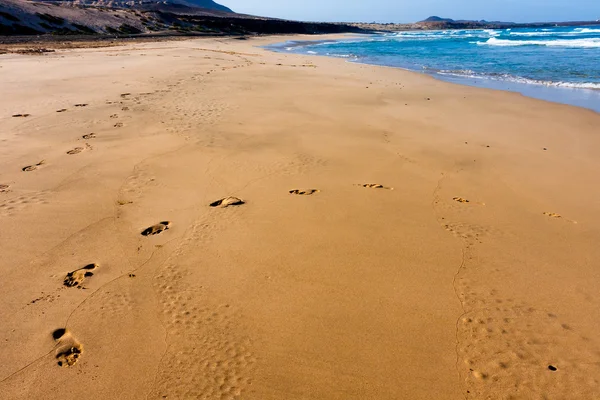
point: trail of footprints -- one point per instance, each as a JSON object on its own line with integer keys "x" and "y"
{"x": 75, "y": 150}
{"x": 68, "y": 349}
{"x": 15, "y": 204}
{"x": 523, "y": 353}
{"x": 216, "y": 361}
{"x": 214, "y": 367}
{"x": 510, "y": 349}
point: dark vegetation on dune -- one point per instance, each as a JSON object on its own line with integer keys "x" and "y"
{"x": 60, "y": 19}
{"x": 246, "y": 26}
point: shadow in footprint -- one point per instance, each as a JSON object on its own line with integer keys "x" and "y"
{"x": 156, "y": 229}
{"x": 306, "y": 192}
{"x": 89, "y": 136}
{"x": 460, "y": 200}
{"x": 21, "y": 115}
{"x": 81, "y": 105}
{"x": 61, "y": 110}
{"x": 227, "y": 201}
{"x": 69, "y": 349}
{"x": 76, "y": 150}
{"x": 76, "y": 278}
{"x": 375, "y": 186}
{"x": 552, "y": 215}
{"x": 33, "y": 167}
{"x": 558, "y": 216}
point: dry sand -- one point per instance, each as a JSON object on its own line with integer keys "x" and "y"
{"x": 470, "y": 269}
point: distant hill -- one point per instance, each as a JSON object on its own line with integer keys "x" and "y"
{"x": 439, "y": 23}
{"x": 448, "y": 23}
{"x": 437, "y": 19}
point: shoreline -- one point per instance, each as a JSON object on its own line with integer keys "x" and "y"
{"x": 392, "y": 228}
{"x": 579, "y": 97}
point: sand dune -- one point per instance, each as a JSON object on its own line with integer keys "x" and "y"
{"x": 220, "y": 222}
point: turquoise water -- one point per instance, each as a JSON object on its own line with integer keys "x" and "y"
{"x": 555, "y": 64}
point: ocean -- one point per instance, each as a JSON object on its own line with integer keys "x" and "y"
{"x": 560, "y": 64}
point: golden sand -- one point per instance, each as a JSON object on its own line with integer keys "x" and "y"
{"x": 307, "y": 279}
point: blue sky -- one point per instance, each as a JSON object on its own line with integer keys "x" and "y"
{"x": 416, "y": 10}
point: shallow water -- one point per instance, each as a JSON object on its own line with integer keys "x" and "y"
{"x": 559, "y": 64}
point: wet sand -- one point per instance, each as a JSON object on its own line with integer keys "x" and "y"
{"x": 205, "y": 219}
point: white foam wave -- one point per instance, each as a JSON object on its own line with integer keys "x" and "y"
{"x": 584, "y": 85}
{"x": 587, "y": 30}
{"x": 449, "y": 34}
{"x": 579, "y": 43}
{"x": 492, "y": 32}
{"x": 578, "y": 31}
{"x": 342, "y": 55}
{"x": 510, "y": 78}
{"x": 531, "y": 33}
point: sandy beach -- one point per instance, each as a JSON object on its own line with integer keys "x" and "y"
{"x": 384, "y": 235}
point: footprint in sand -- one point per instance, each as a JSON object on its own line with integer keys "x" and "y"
{"x": 118, "y": 125}
{"x": 81, "y": 105}
{"x": 227, "y": 201}
{"x": 89, "y": 136}
{"x": 33, "y": 167}
{"x": 21, "y": 115}
{"x": 114, "y": 116}
{"x": 375, "y": 186}
{"x": 460, "y": 200}
{"x": 558, "y": 216}
{"x": 552, "y": 215}
{"x": 61, "y": 110}
{"x": 76, "y": 278}
{"x": 4, "y": 188}
{"x": 156, "y": 229}
{"x": 306, "y": 192}
{"x": 68, "y": 348}
{"x": 76, "y": 150}
{"x": 123, "y": 95}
